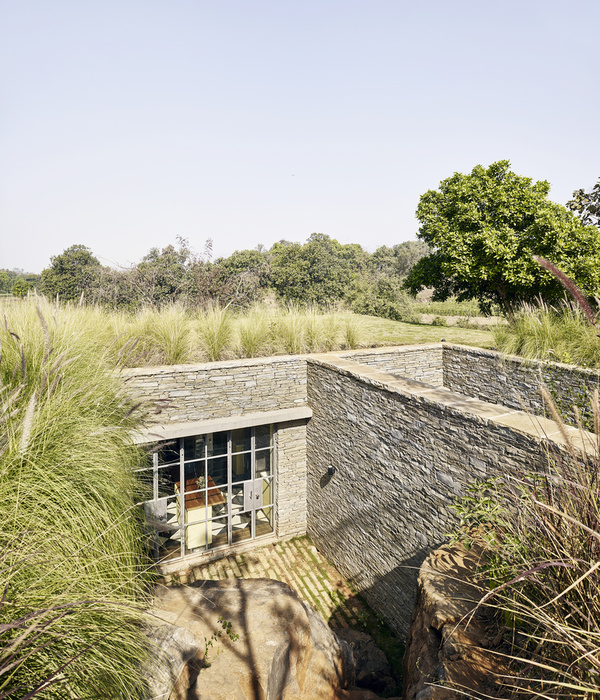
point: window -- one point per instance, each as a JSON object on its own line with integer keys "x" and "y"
{"x": 209, "y": 491}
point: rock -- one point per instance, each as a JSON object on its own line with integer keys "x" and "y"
{"x": 371, "y": 667}
{"x": 285, "y": 651}
{"x": 446, "y": 645}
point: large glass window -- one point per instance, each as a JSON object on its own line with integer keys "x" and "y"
{"x": 209, "y": 491}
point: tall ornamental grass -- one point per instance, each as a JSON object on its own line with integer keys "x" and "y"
{"x": 544, "y": 332}
{"x": 541, "y": 534}
{"x": 73, "y": 586}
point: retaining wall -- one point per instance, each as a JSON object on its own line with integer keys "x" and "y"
{"x": 515, "y": 382}
{"x": 221, "y": 389}
{"x": 403, "y": 452}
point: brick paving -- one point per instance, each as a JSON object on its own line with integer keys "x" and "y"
{"x": 297, "y": 563}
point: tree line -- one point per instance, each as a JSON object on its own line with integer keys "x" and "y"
{"x": 320, "y": 271}
{"x": 478, "y": 235}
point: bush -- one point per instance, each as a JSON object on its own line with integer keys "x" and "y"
{"x": 384, "y": 298}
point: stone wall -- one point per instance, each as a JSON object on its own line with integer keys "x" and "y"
{"x": 515, "y": 382}
{"x": 421, "y": 362}
{"x": 221, "y": 389}
{"x": 403, "y": 452}
{"x": 290, "y": 443}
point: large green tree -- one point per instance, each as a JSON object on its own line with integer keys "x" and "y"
{"x": 319, "y": 271}
{"x": 71, "y": 274}
{"x": 483, "y": 229}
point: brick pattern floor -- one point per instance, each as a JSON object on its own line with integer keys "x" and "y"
{"x": 297, "y": 563}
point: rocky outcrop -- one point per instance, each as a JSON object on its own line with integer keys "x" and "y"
{"x": 285, "y": 651}
{"x": 371, "y": 667}
{"x": 449, "y": 639}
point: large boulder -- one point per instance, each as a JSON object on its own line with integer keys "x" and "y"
{"x": 285, "y": 651}
{"x": 451, "y": 636}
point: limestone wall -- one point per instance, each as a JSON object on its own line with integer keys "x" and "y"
{"x": 221, "y": 389}
{"x": 514, "y": 382}
{"x": 403, "y": 453}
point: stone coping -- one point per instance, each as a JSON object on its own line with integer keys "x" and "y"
{"x": 170, "y": 431}
{"x": 532, "y": 425}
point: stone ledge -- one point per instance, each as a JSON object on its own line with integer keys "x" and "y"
{"x": 170, "y": 431}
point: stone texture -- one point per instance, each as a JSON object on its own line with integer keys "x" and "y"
{"x": 402, "y": 457}
{"x": 284, "y": 650}
{"x": 449, "y": 641}
{"x": 515, "y": 382}
{"x": 371, "y": 667}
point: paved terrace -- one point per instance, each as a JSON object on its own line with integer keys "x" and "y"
{"x": 298, "y": 563}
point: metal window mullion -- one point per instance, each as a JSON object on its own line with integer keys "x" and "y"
{"x": 182, "y": 497}
{"x": 229, "y": 490}
{"x": 253, "y": 477}
{"x": 275, "y": 489}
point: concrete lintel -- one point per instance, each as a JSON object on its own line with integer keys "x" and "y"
{"x": 170, "y": 431}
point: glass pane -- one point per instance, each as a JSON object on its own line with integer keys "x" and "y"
{"x": 241, "y": 527}
{"x": 263, "y": 463}
{"x": 241, "y": 467}
{"x": 264, "y": 521}
{"x": 267, "y": 492}
{"x": 217, "y": 501}
{"x": 194, "y": 447}
{"x": 240, "y": 440}
{"x": 168, "y": 480}
{"x": 216, "y": 444}
{"x": 168, "y": 452}
{"x": 162, "y": 518}
{"x": 217, "y": 471}
{"x": 195, "y": 475}
{"x": 237, "y": 497}
{"x": 196, "y": 536}
{"x": 263, "y": 436}
{"x": 217, "y": 532}
{"x": 195, "y": 506}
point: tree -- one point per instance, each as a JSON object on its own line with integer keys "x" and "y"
{"x": 20, "y": 288}
{"x": 165, "y": 276}
{"x": 71, "y": 274}
{"x": 483, "y": 229}
{"x": 587, "y": 205}
{"x": 319, "y": 271}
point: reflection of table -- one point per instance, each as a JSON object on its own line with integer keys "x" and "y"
{"x": 198, "y": 507}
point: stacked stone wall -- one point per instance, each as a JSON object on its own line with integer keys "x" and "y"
{"x": 401, "y": 460}
{"x": 221, "y": 389}
{"x": 291, "y": 479}
{"x": 514, "y": 382}
{"x": 423, "y": 363}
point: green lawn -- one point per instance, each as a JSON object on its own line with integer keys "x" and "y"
{"x": 381, "y": 331}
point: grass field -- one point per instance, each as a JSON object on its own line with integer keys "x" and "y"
{"x": 380, "y": 331}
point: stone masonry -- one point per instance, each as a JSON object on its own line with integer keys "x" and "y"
{"x": 407, "y": 430}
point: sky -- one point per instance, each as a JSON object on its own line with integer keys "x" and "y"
{"x": 127, "y": 123}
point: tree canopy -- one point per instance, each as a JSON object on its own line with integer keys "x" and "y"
{"x": 587, "y": 205}
{"x": 483, "y": 229}
{"x": 319, "y": 271}
{"x": 71, "y": 274}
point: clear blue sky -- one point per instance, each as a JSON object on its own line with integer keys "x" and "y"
{"x": 124, "y": 123}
